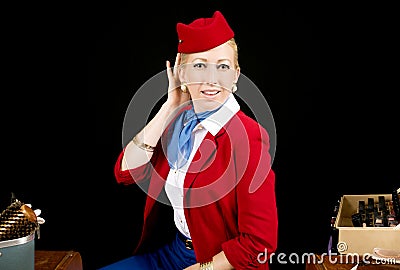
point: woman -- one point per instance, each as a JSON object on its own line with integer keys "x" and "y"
{"x": 208, "y": 159}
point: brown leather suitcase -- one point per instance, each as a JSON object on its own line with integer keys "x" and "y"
{"x": 57, "y": 260}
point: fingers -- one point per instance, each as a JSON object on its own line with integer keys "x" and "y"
{"x": 177, "y": 62}
{"x": 169, "y": 71}
{"x": 172, "y": 73}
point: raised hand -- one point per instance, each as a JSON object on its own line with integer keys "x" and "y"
{"x": 175, "y": 96}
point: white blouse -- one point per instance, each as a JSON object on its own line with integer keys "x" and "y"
{"x": 176, "y": 177}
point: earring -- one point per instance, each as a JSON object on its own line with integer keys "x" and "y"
{"x": 234, "y": 88}
{"x": 184, "y": 88}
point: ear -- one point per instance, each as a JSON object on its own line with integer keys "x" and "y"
{"x": 237, "y": 74}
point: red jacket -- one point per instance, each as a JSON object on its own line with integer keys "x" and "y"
{"x": 229, "y": 194}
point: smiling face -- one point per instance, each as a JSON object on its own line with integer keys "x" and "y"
{"x": 210, "y": 76}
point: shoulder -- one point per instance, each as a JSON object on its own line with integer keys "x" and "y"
{"x": 242, "y": 121}
{"x": 247, "y": 120}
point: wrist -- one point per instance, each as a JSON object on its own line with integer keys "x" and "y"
{"x": 170, "y": 106}
{"x": 209, "y": 265}
{"x": 142, "y": 145}
{"x": 169, "y": 110}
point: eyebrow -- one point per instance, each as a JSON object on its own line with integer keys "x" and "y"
{"x": 205, "y": 60}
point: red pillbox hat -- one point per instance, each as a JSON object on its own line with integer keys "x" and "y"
{"x": 203, "y": 34}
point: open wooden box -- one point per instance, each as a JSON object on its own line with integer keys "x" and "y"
{"x": 362, "y": 240}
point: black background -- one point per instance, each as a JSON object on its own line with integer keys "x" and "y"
{"x": 327, "y": 70}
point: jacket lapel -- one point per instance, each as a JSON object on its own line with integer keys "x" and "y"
{"x": 202, "y": 159}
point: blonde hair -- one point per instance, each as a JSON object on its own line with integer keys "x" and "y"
{"x": 231, "y": 43}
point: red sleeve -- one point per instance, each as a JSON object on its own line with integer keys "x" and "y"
{"x": 257, "y": 211}
{"x": 131, "y": 176}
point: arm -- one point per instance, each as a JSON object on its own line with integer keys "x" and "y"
{"x": 257, "y": 211}
{"x": 248, "y": 250}
{"x": 255, "y": 197}
{"x": 220, "y": 262}
{"x": 134, "y": 156}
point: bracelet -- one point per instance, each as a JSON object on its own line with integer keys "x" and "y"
{"x": 143, "y": 146}
{"x": 207, "y": 265}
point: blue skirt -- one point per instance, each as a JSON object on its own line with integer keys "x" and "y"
{"x": 170, "y": 257}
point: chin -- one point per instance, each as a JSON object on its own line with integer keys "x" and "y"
{"x": 201, "y": 105}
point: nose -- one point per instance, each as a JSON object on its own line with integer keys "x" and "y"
{"x": 211, "y": 75}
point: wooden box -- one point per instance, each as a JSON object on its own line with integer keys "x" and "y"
{"x": 362, "y": 240}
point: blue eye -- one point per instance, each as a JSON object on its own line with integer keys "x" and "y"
{"x": 199, "y": 66}
{"x": 223, "y": 67}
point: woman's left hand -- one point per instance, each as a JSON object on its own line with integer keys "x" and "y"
{"x": 193, "y": 267}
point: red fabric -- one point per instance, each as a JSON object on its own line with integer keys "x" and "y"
{"x": 203, "y": 34}
{"x": 231, "y": 194}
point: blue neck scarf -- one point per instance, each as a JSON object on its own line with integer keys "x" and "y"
{"x": 181, "y": 142}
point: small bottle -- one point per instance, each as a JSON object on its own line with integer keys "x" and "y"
{"x": 362, "y": 212}
{"x": 370, "y": 212}
{"x": 396, "y": 204}
{"x": 382, "y": 213}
